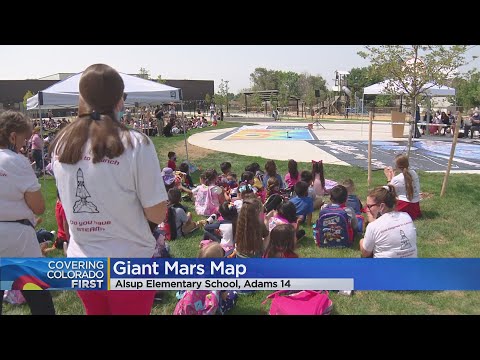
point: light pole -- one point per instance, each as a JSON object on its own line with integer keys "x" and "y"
{"x": 226, "y": 89}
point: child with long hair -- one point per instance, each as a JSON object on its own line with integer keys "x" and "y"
{"x": 407, "y": 186}
{"x": 250, "y": 230}
{"x": 282, "y": 242}
{"x": 273, "y": 186}
{"x": 208, "y": 196}
{"x": 293, "y": 175}
{"x": 318, "y": 178}
{"x": 271, "y": 171}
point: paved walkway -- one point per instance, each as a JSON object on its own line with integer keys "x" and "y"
{"x": 344, "y": 143}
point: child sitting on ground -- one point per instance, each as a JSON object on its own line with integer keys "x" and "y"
{"x": 352, "y": 200}
{"x": 282, "y": 242}
{"x": 293, "y": 175}
{"x": 226, "y": 169}
{"x": 183, "y": 220}
{"x": 254, "y": 168}
{"x": 223, "y": 231}
{"x": 303, "y": 203}
{"x": 338, "y": 197}
{"x": 244, "y": 191}
{"x": 273, "y": 186}
{"x": 355, "y": 204}
{"x": 172, "y": 160}
{"x": 188, "y": 182}
{"x": 208, "y": 196}
{"x": 63, "y": 234}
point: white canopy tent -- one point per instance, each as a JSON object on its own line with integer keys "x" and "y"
{"x": 140, "y": 92}
{"x": 382, "y": 88}
{"x": 431, "y": 90}
{"x": 64, "y": 94}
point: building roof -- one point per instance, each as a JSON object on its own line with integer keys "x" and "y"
{"x": 11, "y": 91}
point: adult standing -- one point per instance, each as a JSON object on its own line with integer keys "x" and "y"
{"x": 20, "y": 200}
{"x": 97, "y": 156}
{"x": 159, "y": 117}
{"x": 407, "y": 186}
{"x": 212, "y": 111}
{"x": 389, "y": 234}
{"x": 37, "y": 145}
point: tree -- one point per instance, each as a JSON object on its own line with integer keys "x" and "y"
{"x": 413, "y": 69}
{"x": 221, "y": 95}
{"x": 160, "y": 80}
{"x": 468, "y": 89}
{"x": 144, "y": 73}
{"x": 360, "y": 78}
{"x": 208, "y": 100}
{"x": 27, "y": 95}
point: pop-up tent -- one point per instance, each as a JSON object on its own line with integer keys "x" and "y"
{"x": 140, "y": 92}
{"x": 431, "y": 90}
{"x": 64, "y": 94}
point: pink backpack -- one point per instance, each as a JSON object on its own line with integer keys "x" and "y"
{"x": 198, "y": 302}
{"x": 305, "y": 302}
{"x": 206, "y": 202}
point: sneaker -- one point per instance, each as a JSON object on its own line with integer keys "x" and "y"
{"x": 212, "y": 218}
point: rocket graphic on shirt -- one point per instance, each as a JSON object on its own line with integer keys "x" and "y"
{"x": 404, "y": 241}
{"x": 82, "y": 205}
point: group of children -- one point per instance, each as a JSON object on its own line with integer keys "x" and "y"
{"x": 246, "y": 210}
{"x": 255, "y": 215}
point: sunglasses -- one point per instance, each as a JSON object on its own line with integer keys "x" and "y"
{"x": 124, "y": 96}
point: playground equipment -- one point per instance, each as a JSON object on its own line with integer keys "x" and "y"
{"x": 343, "y": 99}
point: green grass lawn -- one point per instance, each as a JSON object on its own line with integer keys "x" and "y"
{"x": 446, "y": 230}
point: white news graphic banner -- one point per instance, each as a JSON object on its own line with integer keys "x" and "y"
{"x": 231, "y": 284}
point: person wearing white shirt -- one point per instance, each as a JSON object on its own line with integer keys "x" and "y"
{"x": 390, "y": 233}
{"x": 110, "y": 183}
{"x": 407, "y": 186}
{"x": 20, "y": 200}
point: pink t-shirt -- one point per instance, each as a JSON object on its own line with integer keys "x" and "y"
{"x": 277, "y": 220}
{"x": 37, "y": 142}
{"x": 291, "y": 182}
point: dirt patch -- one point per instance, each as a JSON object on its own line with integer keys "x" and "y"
{"x": 194, "y": 152}
{"x": 426, "y": 195}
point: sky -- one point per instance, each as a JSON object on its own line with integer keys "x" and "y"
{"x": 234, "y": 63}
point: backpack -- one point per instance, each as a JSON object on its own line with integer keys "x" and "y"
{"x": 333, "y": 227}
{"x": 206, "y": 203}
{"x": 305, "y": 302}
{"x": 198, "y": 302}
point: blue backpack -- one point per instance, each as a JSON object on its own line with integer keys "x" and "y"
{"x": 333, "y": 228}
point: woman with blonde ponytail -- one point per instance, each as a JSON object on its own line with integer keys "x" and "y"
{"x": 407, "y": 186}
{"x": 110, "y": 183}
